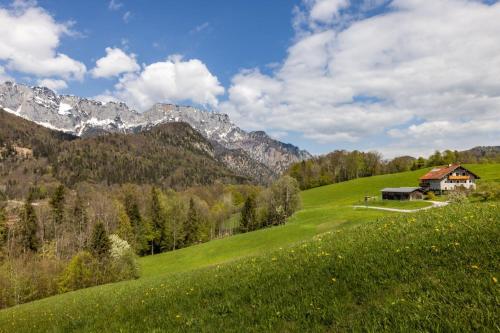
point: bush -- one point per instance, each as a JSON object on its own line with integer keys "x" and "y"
{"x": 27, "y": 278}
{"x": 457, "y": 197}
{"x": 123, "y": 263}
{"x": 488, "y": 192}
{"x": 431, "y": 196}
{"x": 81, "y": 272}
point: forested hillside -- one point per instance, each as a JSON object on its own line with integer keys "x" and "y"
{"x": 171, "y": 155}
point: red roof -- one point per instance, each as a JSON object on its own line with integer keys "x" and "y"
{"x": 440, "y": 172}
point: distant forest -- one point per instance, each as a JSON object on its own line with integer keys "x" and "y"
{"x": 342, "y": 165}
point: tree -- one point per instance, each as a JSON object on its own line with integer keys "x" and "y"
{"x": 140, "y": 241}
{"x": 80, "y": 219}
{"x": 28, "y": 227}
{"x": 248, "y": 220}
{"x": 157, "y": 217}
{"x": 285, "y": 193}
{"x": 435, "y": 159}
{"x": 176, "y": 213}
{"x": 57, "y": 204}
{"x": 124, "y": 230}
{"x": 193, "y": 222}
{"x": 99, "y": 244}
{"x": 3, "y": 227}
{"x": 81, "y": 272}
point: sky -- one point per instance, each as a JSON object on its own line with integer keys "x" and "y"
{"x": 402, "y": 77}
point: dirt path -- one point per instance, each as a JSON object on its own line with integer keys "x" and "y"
{"x": 434, "y": 205}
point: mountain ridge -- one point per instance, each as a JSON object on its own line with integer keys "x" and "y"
{"x": 86, "y": 117}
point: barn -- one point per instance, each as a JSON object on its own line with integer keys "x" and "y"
{"x": 402, "y": 193}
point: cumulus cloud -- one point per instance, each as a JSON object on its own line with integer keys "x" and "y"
{"x": 29, "y": 40}
{"x": 172, "y": 80}
{"x": 53, "y": 84}
{"x": 115, "y": 62}
{"x": 326, "y": 10}
{"x": 422, "y": 74}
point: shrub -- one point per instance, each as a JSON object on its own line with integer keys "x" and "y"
{"x": 123, "y": 263}
{"x": 488, "y": 192}
{"x": 457, "y": 197}
{"x": 431, "y": 196}
{"x": 81, "y": 272}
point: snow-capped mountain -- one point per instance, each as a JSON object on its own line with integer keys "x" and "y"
{"x": 83, "y": 117}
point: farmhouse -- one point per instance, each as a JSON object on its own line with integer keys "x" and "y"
{"x": 448, "y": 178}
{"x": 402, "y": 193}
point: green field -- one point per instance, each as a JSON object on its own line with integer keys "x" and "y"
{"x": 330, "y": 268}
{"x": 414, "y": 204}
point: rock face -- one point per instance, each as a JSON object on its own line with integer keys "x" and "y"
{"x": 252, "y": 154}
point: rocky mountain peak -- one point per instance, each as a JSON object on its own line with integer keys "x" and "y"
{"x": 83, "y": 117}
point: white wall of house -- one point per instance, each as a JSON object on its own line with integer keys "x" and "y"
{"x": 447, "y": 184}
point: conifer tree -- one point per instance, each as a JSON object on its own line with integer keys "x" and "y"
{"x": 139, "y": 226}
{"x": 99, "y": 244}
{"x": 248, "y": 215}
{"x": 28, "y": 227}
{"x": 192, "y": 226}
{"x": 57, "y": 204}
{"x": 157, "y": 221}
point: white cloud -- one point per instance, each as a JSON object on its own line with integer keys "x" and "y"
{"x": 425, "y": 62}
{"x": 127, "y": 16}
{"x": 53, "y": 84}
{"x": 106, "y": 97}
{"x": 115, "y": 62}
{"x": 326, "y": 10}
{"x": 114, "y": 5}
{"x": 172, "y": 80}
{"x": 29, "y": 40}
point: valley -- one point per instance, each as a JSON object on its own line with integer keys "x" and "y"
{"x": 333, "y": 255}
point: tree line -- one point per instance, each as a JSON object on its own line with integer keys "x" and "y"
{"x": 342, "y": 165}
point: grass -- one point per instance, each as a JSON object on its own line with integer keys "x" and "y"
{"x": 414, "y": 204}
{"x": 332, "y": 268}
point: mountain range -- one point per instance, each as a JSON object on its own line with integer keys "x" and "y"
{"x": 251, "y": 154}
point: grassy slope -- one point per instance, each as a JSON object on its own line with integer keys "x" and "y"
{"x": 276, "y": 290}
{"x": 325, "y": 208}
{"x": 398, "y": 204}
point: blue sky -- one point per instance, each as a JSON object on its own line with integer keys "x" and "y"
{"x": 226, "y": 35}
{"x": 396, "y": 76}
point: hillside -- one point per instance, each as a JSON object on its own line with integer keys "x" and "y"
{"x": 169, "y": 155}
{"x": 391, "y": 274}
{"x": 86, "y": 117}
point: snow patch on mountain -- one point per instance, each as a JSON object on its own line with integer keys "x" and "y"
{"x": 82, "y": 116}
{"x": 64, "y": 109}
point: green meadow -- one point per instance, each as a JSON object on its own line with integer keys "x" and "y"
{"x": 330, "y": 268}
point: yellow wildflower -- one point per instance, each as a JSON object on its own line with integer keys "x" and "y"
{"x": 494, "y": 279}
